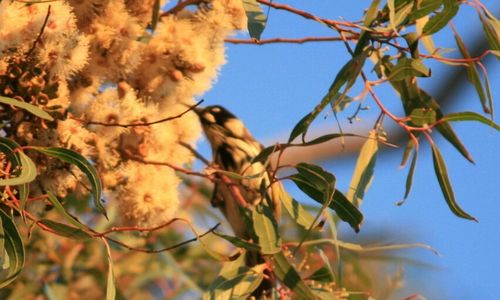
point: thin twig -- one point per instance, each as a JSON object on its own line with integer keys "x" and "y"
{"x": 174, "y": 167}
{"x": 195, "y": 153}
{"x": 166, "y": 248}
{"x": 39, "y": 37}
{"x": 143, "y": 123}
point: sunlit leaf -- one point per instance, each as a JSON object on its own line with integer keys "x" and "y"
{"x": 35, "y": 110}
{"x": 371, "y": 13}
{"x": 470, "y": 116}
{"x": 110, "y": 282}
{"x": 13, "y": 249}
{"x": 235, "y": 281}
{"x": 363, "y": 172}
{"x": 66, "y": 230}
{"x": 264, "y": 154}
{"x": 439, "y": 20}
{"x": 296, "y": 211}
{"x": 266, "y": 229}
{"x": 289, "y": 277}
{"x": 426, "y": 40}
{"x": 21, "y": 164}
{"x": 256, "y": 18}
{"x": 445, "y": 184}
{"x": 82, "y": 163}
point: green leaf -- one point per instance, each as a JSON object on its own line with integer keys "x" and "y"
{"x": 449, "y": 134}
{"x": 409, "y": 67}
{"x": 423, "y": 116}
{"x": 235, "y": 281}
{"x": 266, "y": 152}
{"x": 470, "y": 116}
{"x": 491, "y": 28}
{"x": 21, "y": 164}
{"x": 363, "y": 172}
{"x": 322, "y": 274}
{"x": 320, "y": 186}
{"x": 256, "y": 18}
{"x": 61, "y": 210}
{"x": 425, "y": 8}
{"x": 439, "y": 20}
{"x": 289, "y": 277}
{"x": 398, "y": 13}
{"x": 346, "y": 77}
{"x": 444, "y": 183}
{"x": 266, "y": 229}
{"x": 35, "y": 110}
{"x": 473, "y": 76}
{"x": 371, "y": 13}
{"x": 78, "y": 160}
{"x": 238, "y": 242}
{"x": 346, "y": 210}
{"x": 409, "y": 178}
{"x": 66, "y": 230}
{"x": 13, "y": 249}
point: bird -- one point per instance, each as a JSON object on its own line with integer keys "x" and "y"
{"x": 233, "y": 149}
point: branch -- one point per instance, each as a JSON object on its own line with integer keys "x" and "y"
{"x": 310, "y": 16}
{"x": 287, "y": 40}
{"x": 39, "y": 37}
{"x": 180, "y": 6}
{"x": 141, "y": 124}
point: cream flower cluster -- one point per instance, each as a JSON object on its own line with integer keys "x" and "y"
{"x": 96, "y": 62}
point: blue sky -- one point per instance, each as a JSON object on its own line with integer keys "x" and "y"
{"x": 271, "y": 87}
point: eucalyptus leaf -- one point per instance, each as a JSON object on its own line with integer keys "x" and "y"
{"x": 256, "y": 18}
{"x": 35, "y": 110}
{"x": 445, "y": 184}
{"x": 409, "y": 67}
{"x": 66, "y": 230}
{"x": 23, "y": 169}
{"x": 439, "y": 20}
{"x": 470, "y": 116}
{"x": 13, "y": 249}
{"x": 363, "y": 172}
{"x": 423, "y": 116}
{"x": 474, "y": 78}
{"x": 290, "y": 278}
{"x": 81, "y": 162}
{"x": 266, "y": 229}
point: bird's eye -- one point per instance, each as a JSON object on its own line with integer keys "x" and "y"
{"x": 215, "y": 109}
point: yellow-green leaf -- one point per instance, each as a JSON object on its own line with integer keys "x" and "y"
{"x": 35, "y": 110}
{"x": 363, "y": 172}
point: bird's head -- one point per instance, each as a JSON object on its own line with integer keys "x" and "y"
{"x": 219, "y": 124}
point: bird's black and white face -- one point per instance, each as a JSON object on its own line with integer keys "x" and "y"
{"x": 220, "y": 124}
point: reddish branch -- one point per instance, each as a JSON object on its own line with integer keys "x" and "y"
{"x": 287, "y": 40}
